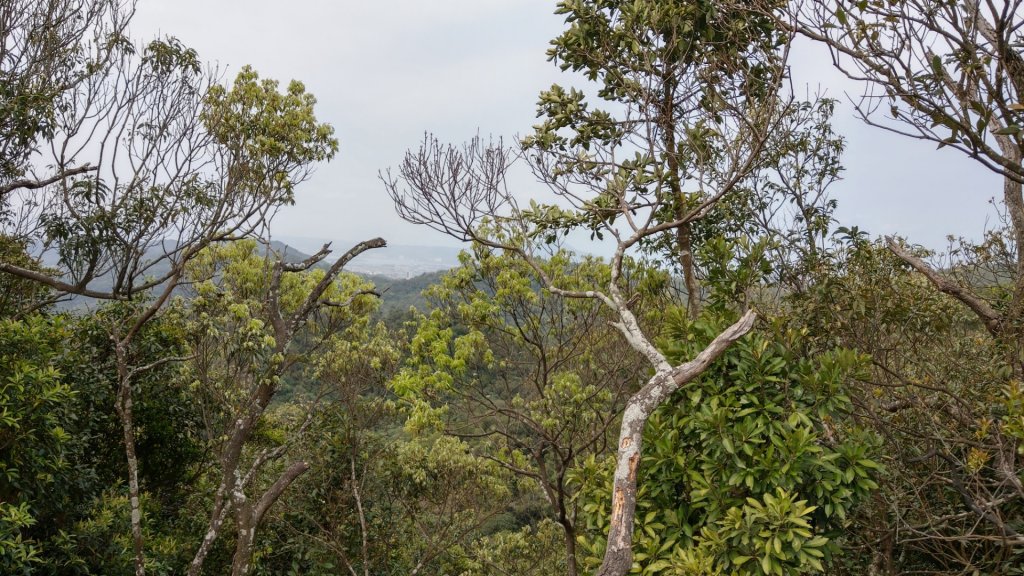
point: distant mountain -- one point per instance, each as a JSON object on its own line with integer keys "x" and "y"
{"x": 399, "y": 295}
{"x": 160, "y": 268}
{"x": 400, "y": 286}
{"x": 290, "y": 254}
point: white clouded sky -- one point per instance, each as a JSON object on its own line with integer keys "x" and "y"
{"x": 385, "y": 71}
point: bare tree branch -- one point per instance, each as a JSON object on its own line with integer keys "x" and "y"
{"x": 982, "y": 309}
{"x": 31, "y": 184}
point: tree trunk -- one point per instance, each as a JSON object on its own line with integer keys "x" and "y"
{"x": 245, "y": 528}
{"x": 684, "y": 232}
{"x": 124, "y": 408}
{"x": 226, "y": 496}
{"x": 220, "y": 510}
{"x": 618, "y": 555}
{"x": 1012, "y": 321}
{"x": 684, "y": 243}
{"x": 249, "y": 516}
{"x": 570, "y": 546}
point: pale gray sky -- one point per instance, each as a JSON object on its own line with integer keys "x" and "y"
{"x": 386, "y": 71}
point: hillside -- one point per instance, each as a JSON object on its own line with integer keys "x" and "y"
{"x": 398, "y": 294}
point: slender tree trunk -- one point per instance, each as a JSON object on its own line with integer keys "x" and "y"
{"x": 684, "y": 243}
{"x": 364, "y": 532}
{"x": 684, "y": 232}
{"x": 226, "y": 496}
{"x": 124, "y": 408}
{"x": 1012, "y": 321}
{"x": 1012, "y": 197}
{"x": 220, "y": 512}
{"x": 569, "y": 531}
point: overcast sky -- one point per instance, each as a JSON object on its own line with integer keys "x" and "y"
{"x": 386, "y": 71}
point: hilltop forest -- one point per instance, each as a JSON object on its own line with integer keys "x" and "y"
{"x": 727, "y": 381}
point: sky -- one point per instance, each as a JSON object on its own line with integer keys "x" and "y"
{"x": 387, "y": 71}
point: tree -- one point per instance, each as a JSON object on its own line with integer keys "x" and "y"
{"x": 697, "y": 83}
{"x": 937, "y": 397}
{"x": 375, "y": 500}
{"x": 249, "y": 314}
{"x": 531, "y": 551}
{"x": 950, "y": 73}
{"x": 695, "y": 90}
{"x": 49, "y": 49}
{"x": 788, "y": 209}
{"x": 533, "y": 380}
{"x": 58, "y": 401}
{"x": 751, "y": 469}
{"x": 34, "y": 413}
{"x": 390, "y": 506}
{"x": 178, "y": 162}
{"x": 947, "y": 72}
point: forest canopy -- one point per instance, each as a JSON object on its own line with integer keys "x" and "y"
{"x": 728, "y": 380}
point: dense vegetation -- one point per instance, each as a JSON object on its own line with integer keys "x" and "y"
{"x": 741, "y": 385}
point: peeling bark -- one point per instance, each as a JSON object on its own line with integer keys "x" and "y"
{"x": 618, "y": 557}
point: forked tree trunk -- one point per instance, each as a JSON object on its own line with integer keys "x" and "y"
{"x": 618, "y": 556}
{"x": 249, "y": 515}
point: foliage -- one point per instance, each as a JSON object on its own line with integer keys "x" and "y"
{"x": 939, "y": 395}
{"x": 230, "y": 322}
{"x": 252, "y": 319}
{"x": 531, "y": 551}
{"x": 18, "y": 295}
{"x": 61, "y": 454}
{"x": 97, "y": 542}
{"x": 271, "y": 137}
{"x": 751, "y": 470}
{"x": 270, "y": 424}
{"x": 947, "y": 72}
{"x": 380, "y": 504}
{"x": 399, "y": 297}
{"x": 534, "y": 379}
{"x": 492, "y": 331}
{"x": 35, "y": 407}
{"x": 688, "y": 80}
{"x": 169, "y": 419}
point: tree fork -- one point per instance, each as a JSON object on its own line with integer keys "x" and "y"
{"x": 618, "y": 556}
